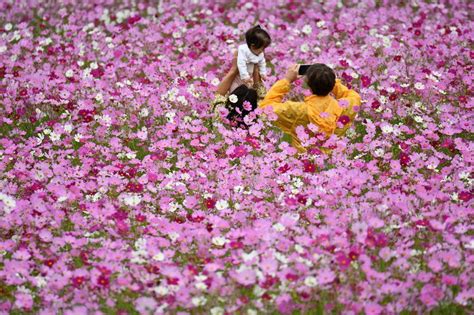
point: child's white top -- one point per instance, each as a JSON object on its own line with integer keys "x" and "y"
{"x": 245, "y": 58}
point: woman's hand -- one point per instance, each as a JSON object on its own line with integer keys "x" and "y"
{"x": 292, "y": 73}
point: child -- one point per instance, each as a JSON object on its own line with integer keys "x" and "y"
{"x": 250, "y": 54}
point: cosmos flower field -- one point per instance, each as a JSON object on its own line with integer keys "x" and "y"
{"x": 120, "y": 195}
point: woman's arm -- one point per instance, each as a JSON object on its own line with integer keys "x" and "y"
{"x": 226, "y": 82}
{"x": 280, "y": 88}
{"x": 340, "y": 91}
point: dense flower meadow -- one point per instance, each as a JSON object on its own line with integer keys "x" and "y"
{"x": 119, "y": 195}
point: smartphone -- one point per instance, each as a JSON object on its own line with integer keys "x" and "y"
{"x": 303, "y": 68}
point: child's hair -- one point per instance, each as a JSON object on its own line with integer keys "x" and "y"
{"x": 237, "y": 111}
{"x": 257, "y": 38}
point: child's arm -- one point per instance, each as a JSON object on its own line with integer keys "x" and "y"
{"x": 242, "y": 63}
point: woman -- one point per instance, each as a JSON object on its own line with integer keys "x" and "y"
{"x": 241, "y": 101}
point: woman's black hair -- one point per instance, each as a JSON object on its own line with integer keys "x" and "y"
{"x": 257, "y": 38}
{"x": 321, "y": 79}
{"x": 237, "y": 111}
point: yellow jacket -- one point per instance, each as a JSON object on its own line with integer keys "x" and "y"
{"x": 322, "y": 111}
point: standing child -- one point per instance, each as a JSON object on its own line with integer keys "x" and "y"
{"x": 251, "y": 54}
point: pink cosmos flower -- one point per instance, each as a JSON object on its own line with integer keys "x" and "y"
{"x": 343, "y": 103}
{"x": 343, "y": 261}
{"x": 373, "y": 309}
{"x": 365, "y": 81}
{"x": 344, "y": 119}
{"x": 404, "y": 159}
{"x": 23, "y": 301}
{"x": 245, "y": 277}
{"x": 239, "y": 151}
{"x": 326, "y": 276}
{"x": 247, "y": 106}
{"x": 431, "y": 295}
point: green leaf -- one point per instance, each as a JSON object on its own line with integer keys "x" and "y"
{"x": 286, "y": 137}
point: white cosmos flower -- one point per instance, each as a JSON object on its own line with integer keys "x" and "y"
{"x": 199, "y": 300}
{"x": 248, "y": 257}
{"x": 68, "y": 128}
{"x": 278, "y": 227}
{"x": 140, "y": 244}
{"x": 182, "y": 100}
{"x": 304, "y": 48}
{"x": 144, "y": 112}
{"x": 161, "y": 290}
{"x": 78, "y": 137}
{"x": 159, "y": 256}
{"x": 54, "y": 136}
{"x": 46, "y": 42}
{"x": 106, "y": 119}
{"x": 307, "y": 29}
{"x": 469, "y": 244}
{"x": 99, "y": 97}
{"x": 9, "y": 203}
{"x": 419, "y": 86}
{"x": 131, "y": 155}
{"x": 233, "y": 98}
{"x": 310, "y": 281}
{"x": 170, "y": 116}
{"x": 222, "y": 204}
{"x": 62, "y": 198}
{"x": 217, "y": 311}
{"x": 299, "y": 248}
{"x": 379, "y": 152}
{"x": 173, "y": 236}
{"x": 464, "y": 175}
{"x": 238, "y": 189}
{"x": 87, "y": 73}
{"x": 219, "y": 240}
{"x": 387, "y": 129}
{"x": 418, "y": 119}
{"x": 201, "y": 286}
{"x": 214, "y": 81}
{"x": 131, "y": 199}
{"x": 39, "y": 139}
{"x": 40, "y": 281}
{"x": 69, "y": 73}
